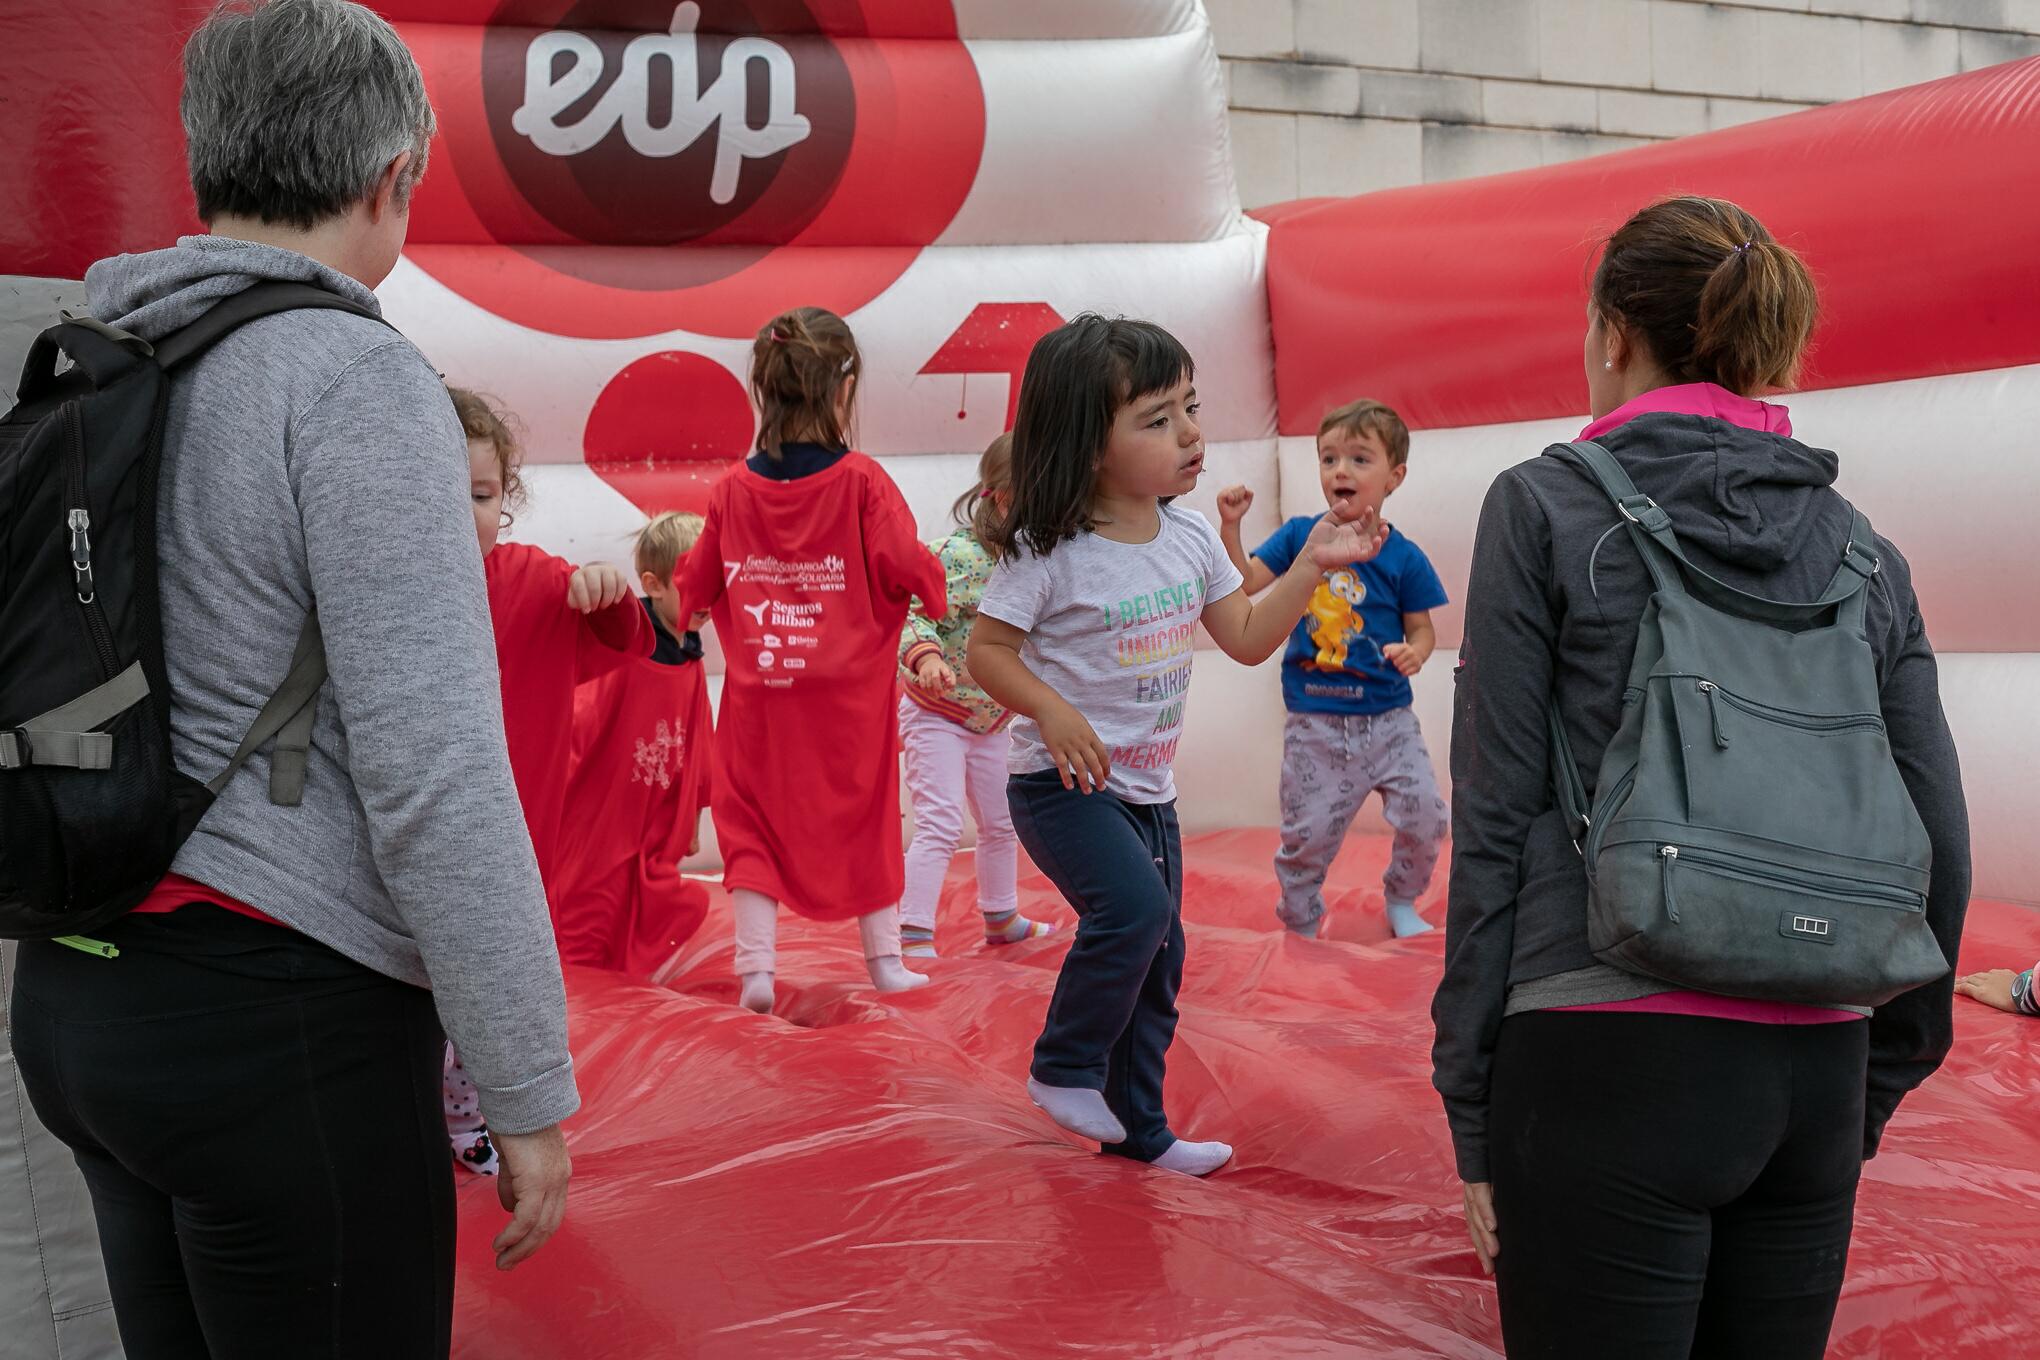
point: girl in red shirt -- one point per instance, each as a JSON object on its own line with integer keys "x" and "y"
{"x": 556, "y": 624}
{"x": 808, "y": 561}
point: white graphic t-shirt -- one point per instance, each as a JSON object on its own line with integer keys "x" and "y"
{"x": 1110, "y": 627}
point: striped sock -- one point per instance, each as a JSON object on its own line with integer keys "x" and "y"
{"x": 917, "y": 942}
{"x": 1010, "y": 927}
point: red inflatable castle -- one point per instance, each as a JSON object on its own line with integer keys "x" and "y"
{"x": 858, "y": 1176}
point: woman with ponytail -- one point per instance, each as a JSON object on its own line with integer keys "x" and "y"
{"x": 1655, "y": 1173}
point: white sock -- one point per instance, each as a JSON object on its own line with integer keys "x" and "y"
{"x": 1078, "y": 1109}
{"x": 1194, "y": 1159}
{"x": 757, "y": 995}
{"x": 1404, "y": 921}
{"x": 888, "y": 974}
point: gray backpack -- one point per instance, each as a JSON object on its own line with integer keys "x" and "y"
{"x": 1749, "y": 834}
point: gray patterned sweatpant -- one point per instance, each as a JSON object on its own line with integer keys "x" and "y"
{"x": 1330, "y": 763}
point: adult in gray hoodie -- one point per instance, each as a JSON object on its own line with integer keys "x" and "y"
{"x": 1653, "y": 1173}
{"x": 255, "y": 1102}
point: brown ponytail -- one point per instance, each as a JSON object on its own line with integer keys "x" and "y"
{"x": 978, "y": 508}
{"x": 799, "y": 362}
{"x": 1710, "y": 292}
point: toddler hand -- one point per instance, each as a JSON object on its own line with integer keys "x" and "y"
{"x": 1334, "y": 542}
{"x": 1403, "y": 657}
{"x": 1993, "y": 988}
{"x": 934, "y": 676}
{"x": 1233, "y": 504}
{"x": 1080, "y": 758}
{"x": 596, "y": 586}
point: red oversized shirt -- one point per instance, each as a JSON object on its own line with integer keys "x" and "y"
{"x": 809, "y": 581}
{"x": 544, "y": 648}
{"x": 644, "y": 738}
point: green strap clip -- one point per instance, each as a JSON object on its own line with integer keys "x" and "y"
{"x": 85, "y": 945}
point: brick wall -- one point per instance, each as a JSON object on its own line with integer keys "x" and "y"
{"x": 1344, "y": 96}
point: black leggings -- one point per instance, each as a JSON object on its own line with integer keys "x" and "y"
{"x": 259, "y": 1122}
{"x": 1673, "y": 1188}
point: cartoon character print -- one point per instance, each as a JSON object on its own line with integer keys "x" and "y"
{"x": 660, "y": 759}
{"x": 1337, "y": 626}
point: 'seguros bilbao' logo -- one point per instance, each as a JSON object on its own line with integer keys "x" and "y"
{"x": 595, "y": 141}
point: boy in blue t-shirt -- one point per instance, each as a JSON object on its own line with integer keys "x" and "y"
{"x": 1345, "y": 679}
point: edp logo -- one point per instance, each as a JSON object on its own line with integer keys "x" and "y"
{"x": 550, "y": 91}
{"x": 656, "y": 123}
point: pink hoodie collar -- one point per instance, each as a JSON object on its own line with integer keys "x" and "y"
{"x": 1698, "y": 399}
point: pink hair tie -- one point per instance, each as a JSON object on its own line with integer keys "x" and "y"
{"x": 776, "y": 337}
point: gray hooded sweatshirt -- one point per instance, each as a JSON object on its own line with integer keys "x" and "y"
{"x": 314, "y": 457}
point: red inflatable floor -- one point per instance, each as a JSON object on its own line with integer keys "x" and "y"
{"x": 863, "y": 1177}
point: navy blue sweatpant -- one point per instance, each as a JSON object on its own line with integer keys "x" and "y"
{"x": 1113, "y": 1015}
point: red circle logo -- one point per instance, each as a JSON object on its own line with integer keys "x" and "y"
{"x": 626, "y": 167}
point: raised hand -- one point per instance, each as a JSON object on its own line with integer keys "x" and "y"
{"x": 596, "y": 586}
{"x": 1233, "y": 504}
{"x": 1334, "y": 541}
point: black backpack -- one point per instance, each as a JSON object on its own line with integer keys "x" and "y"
{"x": 92, "y": 809}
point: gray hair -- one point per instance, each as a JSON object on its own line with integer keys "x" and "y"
{"x": 294, "y": 108}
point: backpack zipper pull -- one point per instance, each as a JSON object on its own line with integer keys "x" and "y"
{"x": 81, "y": 554}
{"x": 1711, "y": 690}
{"x": 85, "y": 945}
{"x": 1668, "y": 855}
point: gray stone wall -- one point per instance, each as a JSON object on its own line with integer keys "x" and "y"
{"x": 1345, "y": 96}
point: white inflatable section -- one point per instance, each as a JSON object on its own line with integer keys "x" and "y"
{"x": 1211, "y": 294}
{"x": 1076, "y": 18}
{"x": 1162, "y": 173}
{"x": 1944, "y": 469}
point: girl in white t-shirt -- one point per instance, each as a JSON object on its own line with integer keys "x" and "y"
{"x": 1086, "y": 632}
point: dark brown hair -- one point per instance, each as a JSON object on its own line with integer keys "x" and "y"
{"x": 1078, "y": 377}
{"x": 1710, "y": 292}
{"x": 1367, "y": 416}
{"x": 484, "y": 418}
{"x": 799, "y": 362}
{"x": 978, "y": 508}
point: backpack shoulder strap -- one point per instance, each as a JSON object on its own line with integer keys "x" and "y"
{"x": 1651, "y": 529}
{"x": 289, "y": 713}
{"x": 287, "y": 717}
{"x": 1647, "y": 521}
{"x": 250, "y": 304}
